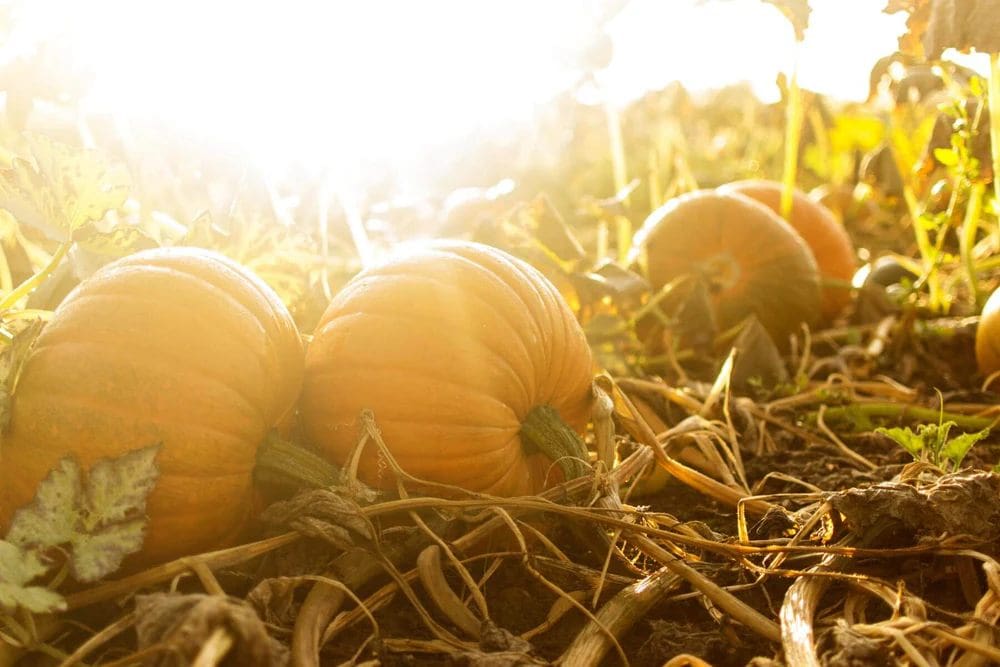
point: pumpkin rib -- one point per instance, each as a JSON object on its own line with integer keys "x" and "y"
{"x": 234, "y": 331}
{"x": 110, "y": 410}
{"x": 555, "y": 303}
{"x": 549, "y": 342}
{"x": 254, "y": 317}
{"x": 237, "y": 324}
{"x": 549, "y": 300}
{"x": 414, "y": 317}
{"x": 526, "y": 346}
{"x": 239, "y": 279}
{"x": 146, "y": 361}
{"x": 536, "y": 307}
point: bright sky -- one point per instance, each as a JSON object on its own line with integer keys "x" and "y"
{"x": 328, "y": 82}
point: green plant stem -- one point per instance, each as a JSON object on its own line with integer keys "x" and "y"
{"x": 543, "y": 430}
{"x": 928, "y": 253}
{"x": 852, "y": 413}
{"x": 284, "y": 463}
{"x": 967, "y": 239}
{"x": 793, "y": 135}
{"x": 29, "y": 285}
{"x": 993, "y": 99}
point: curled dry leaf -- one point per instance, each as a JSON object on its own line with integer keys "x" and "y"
{"x": 181, "y": 624}
{"x": 321, "y": 513}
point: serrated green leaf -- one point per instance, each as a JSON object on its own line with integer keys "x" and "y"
{"x": 99, "y": 522}
{"x": 17, "y": 566}
{"x": 117, "y": 488}
{"x": 905, "y": 438}
{"x": 51, "y": 518}
{"x": 959, "y": 446}
{"x": 18, "y": 569}
{"x": 60, "y": 189}
{"x": 101, "y": 553}
{"x": 36, "y": 599}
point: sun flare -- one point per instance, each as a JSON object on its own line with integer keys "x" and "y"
{"x": 331, "y": 84}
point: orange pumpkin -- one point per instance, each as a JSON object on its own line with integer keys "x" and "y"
{"x": 819, "y": 228}
{"x": 988, "y": 336}
{"x": 463, "y": 353}
{"x": 178, "y": 346}
{"x": 748, "y": 258}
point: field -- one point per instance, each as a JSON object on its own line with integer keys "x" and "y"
{"x": 699, "y": 381}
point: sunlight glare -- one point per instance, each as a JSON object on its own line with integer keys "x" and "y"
{"x": 330, "y": 84}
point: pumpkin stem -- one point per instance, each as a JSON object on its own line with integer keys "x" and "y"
{"x": 284, "y": 463}
{"x": 543, "y": 430}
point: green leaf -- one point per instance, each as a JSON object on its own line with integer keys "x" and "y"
{"x": 100, "y": 521}
{"x": 51, "y": 518}
{"x": 59, "y": 189}
{"x": 905, "y": 438}
{"x": 959, "y": 446}
{"x": 117, "y": 488}
{"x": 18, "y": 569}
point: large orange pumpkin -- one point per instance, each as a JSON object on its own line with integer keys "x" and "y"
{"x": 463, "y": 353}
{"x": 749, "y": 259}
{"x": 176, "y": 346}
{"x": 826, "y": 237}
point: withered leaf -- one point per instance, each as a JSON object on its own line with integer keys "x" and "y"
{"x": 58, "y": 189}
{"x": 939, "y": 508}
{"x": 323, "y": 513}
{"x": 183, "y": 623}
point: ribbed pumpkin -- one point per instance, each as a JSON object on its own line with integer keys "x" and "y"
{"x": 749, "y": 259}
{"x": 462, "y": 352}
{"x": 826, "y": 237}
{"x": 176, "y": 346}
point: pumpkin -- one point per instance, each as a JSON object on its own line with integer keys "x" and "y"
{"x": 988, "y": 336}
{"x": 476, "y": 371}
{"x": 826, "y": 237}
{"x": 177, "y": 346}
{"x": 748, "y": 259}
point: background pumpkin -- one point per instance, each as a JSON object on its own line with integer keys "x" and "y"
{"x": 826, "y": 237}
{"x": 748, "y": 258}
{"x": 454, "y": 346}
{"x": 988, "y": 336}
{"x": 179, "y": 346}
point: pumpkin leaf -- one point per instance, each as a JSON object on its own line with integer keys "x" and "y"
{"x": 17, "y": 570}
{"x": 59, "y": 189}
{"x": 100, "y": 520}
